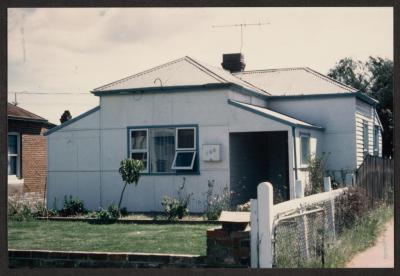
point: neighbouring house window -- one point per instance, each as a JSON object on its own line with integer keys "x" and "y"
{"x": 139, "y": 146}
{"x": 376, "y": 140}
{"x": 165, "y": 149}
{"x": 304, "y": 149}
{"x": 365, "y": 138}
{"x": 13, "y": 154}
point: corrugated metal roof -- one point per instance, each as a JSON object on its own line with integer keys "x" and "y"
{"x": 279, "y": 116}
{"x": 17, "y": 112}
{"x": 294, "y": 81}
{"x": 180, "y": 72}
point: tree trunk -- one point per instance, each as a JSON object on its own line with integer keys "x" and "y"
{"x": 120, "y": 199}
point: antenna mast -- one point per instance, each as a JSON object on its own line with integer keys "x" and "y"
{"x": 241, "y": 29}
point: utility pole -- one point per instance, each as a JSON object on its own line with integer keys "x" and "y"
{"x": 241, "y": 29}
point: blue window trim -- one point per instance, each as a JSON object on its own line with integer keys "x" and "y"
{"x": 196, "y": 165}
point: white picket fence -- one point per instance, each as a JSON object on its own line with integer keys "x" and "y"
{"x": 264, "y": 215}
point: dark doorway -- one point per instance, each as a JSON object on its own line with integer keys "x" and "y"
{"x": 256, "y": 157}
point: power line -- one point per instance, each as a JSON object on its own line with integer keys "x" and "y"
{"x": 49, "y": 93}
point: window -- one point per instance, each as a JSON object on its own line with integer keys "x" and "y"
{"x": 365, "y": 138}
{"x": 13, "y": 154}
{"x": 185, "y": 148}
{"x": 376, "y": 140}
{"x": 186, "y": 138}
{"x": 304, "y": 149}
{"x": 139, "y": 148}
{"x": 164, "y": 149}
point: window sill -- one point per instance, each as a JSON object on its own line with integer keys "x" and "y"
{"x": 15, "y": 184}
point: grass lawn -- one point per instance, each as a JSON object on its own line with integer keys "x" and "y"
{"x": 81, "y": 236}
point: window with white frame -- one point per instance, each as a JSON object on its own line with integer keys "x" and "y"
{"x": 164, "y": 149}
{"x": 139, "y": 146}
{"x": 13, "y": 154}
{"x": 185, "y": 151}
{"x": 304, "y": 149}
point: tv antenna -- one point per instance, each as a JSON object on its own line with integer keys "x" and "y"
{"x": 241, "y": 29}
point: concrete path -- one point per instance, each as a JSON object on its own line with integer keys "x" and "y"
{"x": 381, "y": 254}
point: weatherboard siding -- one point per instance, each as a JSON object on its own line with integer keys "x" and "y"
{"x": 366, "y": 113}
{"x": 336, "y": 115}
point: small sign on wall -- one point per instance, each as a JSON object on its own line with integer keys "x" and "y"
{"x": 211, "y": 153}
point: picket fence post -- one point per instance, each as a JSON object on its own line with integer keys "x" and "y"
{"x": 265, "y": 224}
{"x": 254, "y": 233}
{"x": 303, "y": 225}
{"x": 331, "y": 209}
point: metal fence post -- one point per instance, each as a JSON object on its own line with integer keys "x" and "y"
{"x": 265, "y": 222}
{"x": 303, "y": 224}
{"x": 254, "y": 233}
{"x": 331, "y": 210}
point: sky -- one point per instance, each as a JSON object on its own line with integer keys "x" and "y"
{"x": 73, "y": 51}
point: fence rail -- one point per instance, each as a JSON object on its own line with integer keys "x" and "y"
{"x": 376, "y": 177}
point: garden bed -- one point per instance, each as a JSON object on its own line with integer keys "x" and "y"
{"x": 81, "y": 236}
{"x": 128, "y": 220}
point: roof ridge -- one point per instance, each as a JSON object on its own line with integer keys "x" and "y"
{"x": 205, "y": 69}
{"x": 329, "y": 79}
{"x": 272, "y": 69}
{"x": 140, "y": 73}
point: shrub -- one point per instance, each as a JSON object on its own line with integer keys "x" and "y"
{"x": 104, "y": 216}
{"x": 72, "y": 207}
{"x": 316, "y": 172}
{"x": 215, "y": 204}
{"x": 177, "y": 208}
{"x": 18, "y": 210}
{"x": 113, "y": 211}
{"x": 349, "y": 207}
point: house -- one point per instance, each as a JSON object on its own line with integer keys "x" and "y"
{"x": 201, "y": 124}
{"x": 27, "y": 151}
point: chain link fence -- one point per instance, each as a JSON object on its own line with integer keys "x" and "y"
{"x": 303, "y": 237}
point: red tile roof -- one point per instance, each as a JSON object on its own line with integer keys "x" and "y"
{"x": 17, "y": 112}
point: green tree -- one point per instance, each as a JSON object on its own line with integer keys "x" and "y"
{"x": 375, "y": 78}
{"x": 130, "y": 173}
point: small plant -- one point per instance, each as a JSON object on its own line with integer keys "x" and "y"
{"x": 215, "y": 204}
{"x": 113, "y": 211}
{"x": 177, "y": 208}
{"x": 124, "y": 212}
{"x": 130, "y": 172}
{"x": 18, "y": 210}
{"x": 316, "y": 172}
{"x": 72, "y": 207}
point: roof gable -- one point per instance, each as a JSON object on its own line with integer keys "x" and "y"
{"x": 181, "y": 72}
{"x": 294, "y": 81}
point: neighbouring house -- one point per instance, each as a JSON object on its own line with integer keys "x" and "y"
{"x": 27, "y": 151}
{"x": 201, "y": 124}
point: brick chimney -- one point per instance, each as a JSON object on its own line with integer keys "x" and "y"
{"x": 233, "y": 62}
